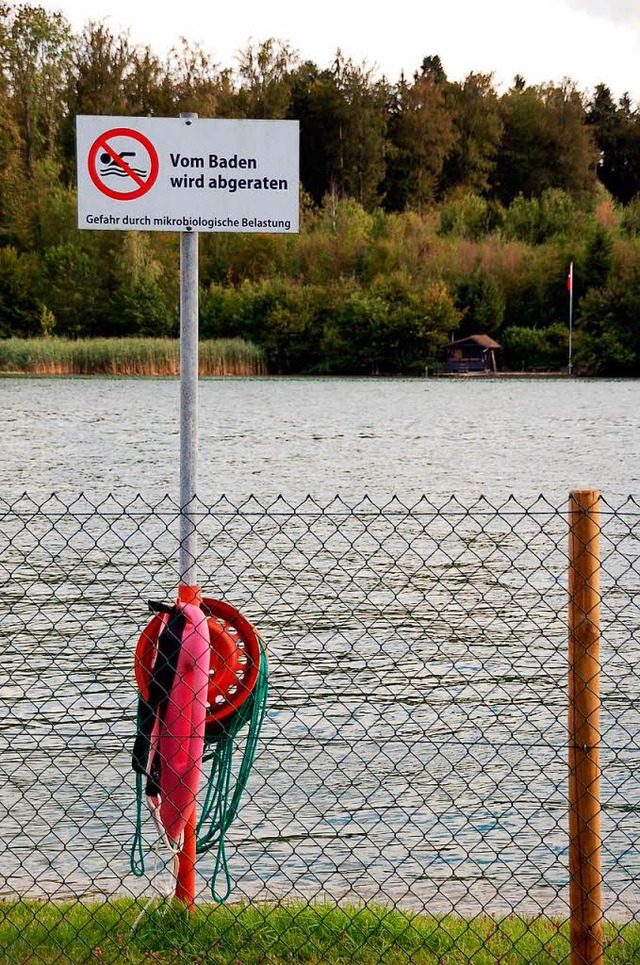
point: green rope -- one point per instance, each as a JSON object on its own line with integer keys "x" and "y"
{"x": 221, "y": 805}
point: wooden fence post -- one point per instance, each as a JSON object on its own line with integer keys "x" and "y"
{"x": 585, "y": 886}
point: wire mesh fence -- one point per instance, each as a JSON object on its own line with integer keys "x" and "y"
{"x": 408, "y": 799}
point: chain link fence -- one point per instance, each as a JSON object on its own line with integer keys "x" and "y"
{"x": 408, "y": 800}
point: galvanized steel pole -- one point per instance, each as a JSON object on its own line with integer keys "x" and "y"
{"x": 185, "y": 889}
{"x": 187, "y": 567}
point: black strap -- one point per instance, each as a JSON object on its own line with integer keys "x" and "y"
{"x": 162, "y": 679}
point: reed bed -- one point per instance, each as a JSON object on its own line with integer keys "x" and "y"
{"x": 125, "y": 356}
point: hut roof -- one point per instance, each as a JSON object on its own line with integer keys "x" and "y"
{"x": 484, "y": 340}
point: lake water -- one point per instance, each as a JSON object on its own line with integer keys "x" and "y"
{"x": 299, "y": 436}
{"x": 415, "y": 743}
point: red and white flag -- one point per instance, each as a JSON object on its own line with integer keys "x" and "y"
{"x": 570, "y": 278}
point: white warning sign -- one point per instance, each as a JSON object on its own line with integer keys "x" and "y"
{"x": 187, "y": 174}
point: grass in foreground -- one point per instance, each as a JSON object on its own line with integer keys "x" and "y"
{"x": 125, "y": 356}
{"x": 261, "y": 934}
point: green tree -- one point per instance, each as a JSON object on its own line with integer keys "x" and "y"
{"x": 422, "y": 133}
{"x": 36, "y": 58}
{"x": 559, "y": 215}
{"x": 142, "y": 308}
{"x": 346, "y": 230}
{"x": 79, "y": 309}
{"x": 617, "y": 134}
{"x": 522, "y": 220}
{"x": 355, "y": 339}
{"x": 545, "y": 144}
{"x": 467, "y": 215}
{"x": 432, "y": 67}
{"x": 317, "y": 103}
{"x": 219, "y": 311}
{"x": 20, "y": 310}
{"x": 607, "y": 332}
{"x": 39, "y": 210}
{"x": 536, "y": 292}
{"x": 194, "y": 82}
{"x": 10, "y": 157}
{"x": 102, "y": 64}
{"x": 536, "y": 220}
{"x": 477, "y": 121}
{"x": 630, "y": 219}
{"x": 343, "y": 120}
{"x": 292, "y": 333}
{"x": 361, "y": 132}
{"x": 598, "y": 258}
{"x": 149, "y": 85}
{"x": 481, "y": 302}
{"x": 525, "y": 349}
{"x": 265, "y": 72}
{"x": 140, "y": 304}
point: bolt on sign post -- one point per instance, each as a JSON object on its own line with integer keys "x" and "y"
{"x": 188, "y": 174}
{"x": 585, "y": 883}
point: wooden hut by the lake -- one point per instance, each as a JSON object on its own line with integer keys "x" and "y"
{"x": 475, "y": 353}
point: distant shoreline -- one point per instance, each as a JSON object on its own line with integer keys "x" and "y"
{"x": 273, "y": 376}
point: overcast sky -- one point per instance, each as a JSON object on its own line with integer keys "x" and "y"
{"x": 589, "y": 41}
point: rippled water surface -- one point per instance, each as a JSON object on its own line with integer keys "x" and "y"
{"x": 299, "y": 436}
{"x": 415, "y": 743}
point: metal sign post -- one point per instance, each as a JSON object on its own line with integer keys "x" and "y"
{"x": 187, "y": 567}
{"x": 188, "y": 589}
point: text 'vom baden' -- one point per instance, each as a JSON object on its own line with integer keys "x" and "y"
{"x": 221, "y": 182}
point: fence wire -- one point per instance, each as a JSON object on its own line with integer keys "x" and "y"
{"x": 413, "y": 758}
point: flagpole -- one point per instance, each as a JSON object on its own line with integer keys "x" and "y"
{"x": 570, "y": 287}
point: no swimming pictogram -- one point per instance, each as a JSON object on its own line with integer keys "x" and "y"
{"x": 123, "y": 164}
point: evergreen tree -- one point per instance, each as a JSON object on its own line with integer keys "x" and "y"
{"x": 362, "y": 133}
{"x": 317, "y": 104}
{"x": 422, "y": 133}
{"x": 598, "y": 260}
{"x": 617, "y": 135}
{"x": 477, "y": 122}
{"x": 545, "y": 144}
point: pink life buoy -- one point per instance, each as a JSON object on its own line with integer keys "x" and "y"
{"x": 172, "y": 712}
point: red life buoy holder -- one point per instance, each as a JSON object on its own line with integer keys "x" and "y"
{"x": 234, "y": 659}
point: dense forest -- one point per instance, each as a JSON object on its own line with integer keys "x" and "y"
{"x": 431, "y": 208}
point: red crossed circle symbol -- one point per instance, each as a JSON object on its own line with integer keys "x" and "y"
{"x": 117, "y": 163}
